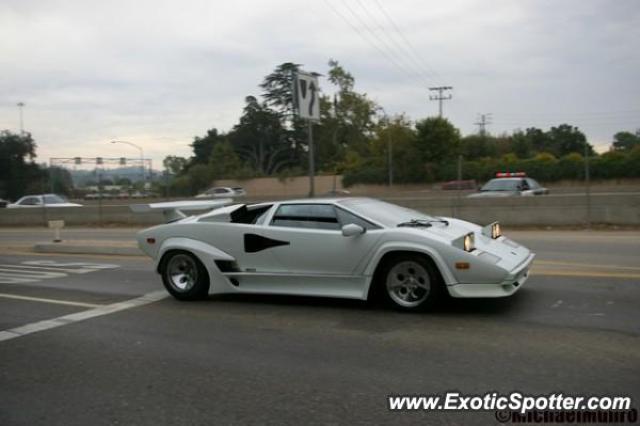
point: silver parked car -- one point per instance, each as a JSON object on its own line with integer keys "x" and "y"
{"x": 222, "y": 192}
{"x": 43, "y": 200}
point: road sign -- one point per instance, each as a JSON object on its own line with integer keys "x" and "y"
{"x": 307, "y": 96}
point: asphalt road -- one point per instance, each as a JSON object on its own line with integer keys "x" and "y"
{"x": 131, "y": 355}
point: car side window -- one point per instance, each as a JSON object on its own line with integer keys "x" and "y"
{"x": 345, "y": 218}
{"x": 310, "y": 216}
{"x": 30, "y": 201}
{"x": 524, "y": 186}
{"x": 220, "y": 191}
{"x": 532, "y": 183}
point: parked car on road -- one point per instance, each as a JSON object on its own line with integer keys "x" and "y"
{"x": 43, "y": 200}
{"x": 510, "y": 185}
{"x": 222, "y": 192}
{"x": 355, "y": 248}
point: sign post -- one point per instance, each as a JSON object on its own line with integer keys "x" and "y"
{"x": 308, "y": 107}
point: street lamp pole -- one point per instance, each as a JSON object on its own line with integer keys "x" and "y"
{"x": 21, "y": 106}
{"x": 389, "y": 148}
{"x": 144, "y": 179}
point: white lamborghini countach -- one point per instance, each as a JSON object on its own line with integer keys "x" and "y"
{"x": 350, "y": 248}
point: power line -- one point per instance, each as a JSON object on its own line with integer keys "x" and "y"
{"x": 412, "y": 49}
{"x": 574, "y": 113}
{"x": 389, "y": 58}
{"x": 397, "y": 46}
{"x": 387, "y": 48}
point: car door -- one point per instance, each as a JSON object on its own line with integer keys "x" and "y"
{"x": 33, "y": 201}
{"x": 307, "y": 239}
{"x": 244, "y": 241}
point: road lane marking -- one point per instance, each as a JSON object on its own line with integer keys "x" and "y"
{"x": 50, "y": 268}
{"x": 89, "y": 265}
{"x": 54, "y": 301}
{"x": 32, "y": 274}
{"x": 37, "y": 270}
{"x": 11, "y": 279}
{"x": 585, "y": 265}
{"x": 584, "y": 274}
{"x": 83, "y": 315}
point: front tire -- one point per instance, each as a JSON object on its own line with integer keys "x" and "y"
{"x": 410, "y": 283}
{"x": 184, "y": 276}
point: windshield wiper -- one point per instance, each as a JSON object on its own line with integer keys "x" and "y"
{"x": 423, "y": 222}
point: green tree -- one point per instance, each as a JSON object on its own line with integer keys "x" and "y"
{"x": 354, "y": 113}
{"x": 59, "y": 180}
{"x": 626, "y": 141}
{"x": 202, "y": 147}
{"x": 260, "y": 139}
{"x": 521, "y": 144}
{"x": 277, "y": 92}
{"x": 123, "y": 181}
{"x": 565, "y": 139}
{"x": 537, "y": 139}
{"x": 18, "y": 172}
{"x": 478, "y": 146}
{"x": 438, "y": 140}
{"x": 174, "y": 164}
{"x": 277, "y": 89}
{"x": 224, "y": 162}
{"x": 398, "y": 135}
{"x": 200, "y": 177}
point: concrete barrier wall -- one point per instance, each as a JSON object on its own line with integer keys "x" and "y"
{"x": 86, "y": 215}
{"x": 298, "y": 186}
{"x": 568, "y": 210}
{"x": 549, "y": 210}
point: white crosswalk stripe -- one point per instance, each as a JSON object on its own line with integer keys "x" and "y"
{"x": 38, "y": 270}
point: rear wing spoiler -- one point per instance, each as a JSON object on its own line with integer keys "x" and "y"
{"x": 173, "y": 210}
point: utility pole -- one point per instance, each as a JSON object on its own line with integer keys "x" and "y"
{"x": 483, "y": 121}
{"x": 387, "y": 119}
{"x": 587, "y": 184}
{"x": 390, "y": 150}
{"x": 440, "y": 96}
{"x": 312, "y": 164}
{"x": 21, "y": 105}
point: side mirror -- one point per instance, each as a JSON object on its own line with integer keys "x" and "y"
{"x": 351, "y": 230}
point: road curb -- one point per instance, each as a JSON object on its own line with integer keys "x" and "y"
{"x": 86, "y": 248}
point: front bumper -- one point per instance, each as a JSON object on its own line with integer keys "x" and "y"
{"x": 507, "y": 287}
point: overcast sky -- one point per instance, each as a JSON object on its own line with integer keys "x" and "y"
{"x": 159, "y": 73}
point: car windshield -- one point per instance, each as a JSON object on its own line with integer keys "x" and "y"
{"x": 384, "y": 213}
{"x": 501, "y": 185}
{"x": 54, "y": 199}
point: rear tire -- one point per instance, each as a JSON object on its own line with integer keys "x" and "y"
{"x": 410, "y": 283}
{"x": 184, "y": 276}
